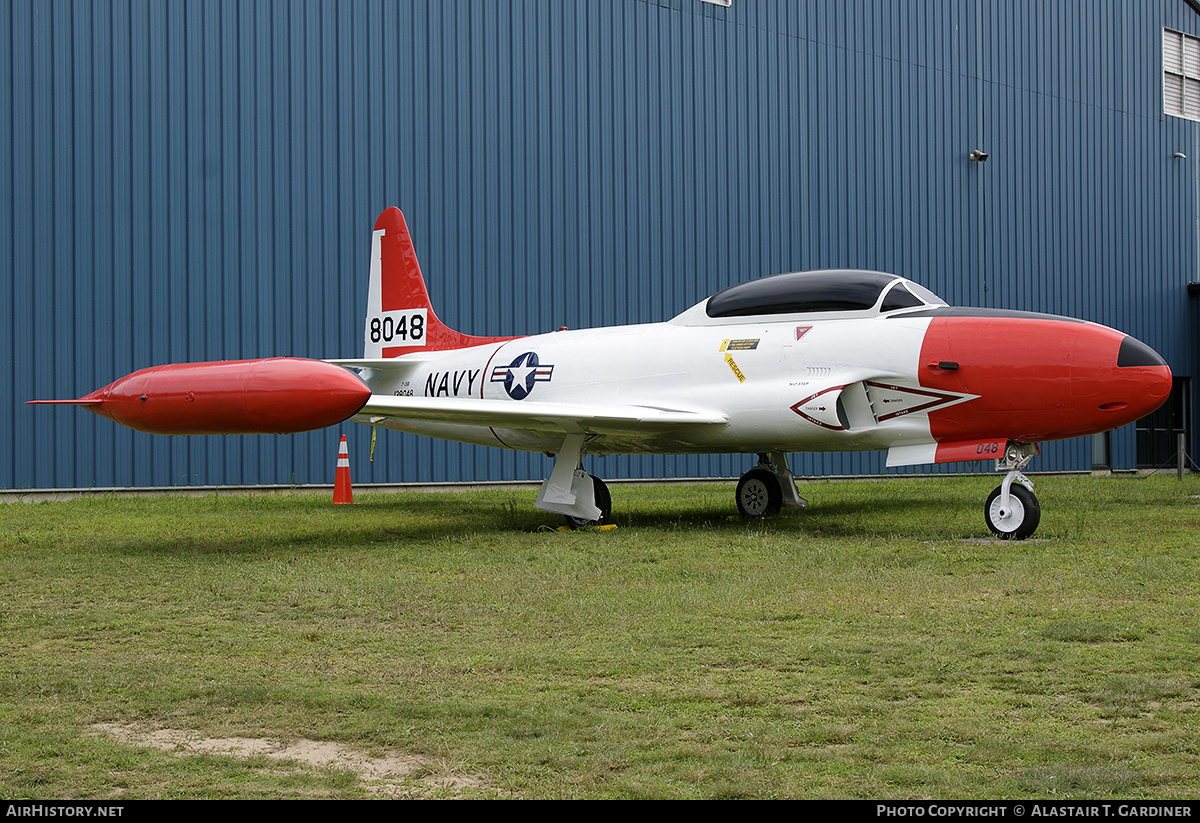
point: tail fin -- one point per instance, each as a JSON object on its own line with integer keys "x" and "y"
{"x": 400, "y": 318}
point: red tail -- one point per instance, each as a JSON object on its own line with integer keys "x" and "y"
{"x": 400, "y": 318}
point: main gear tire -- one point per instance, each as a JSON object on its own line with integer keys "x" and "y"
{"x": 603, "y": 501}
{"x": 759, "y": 494}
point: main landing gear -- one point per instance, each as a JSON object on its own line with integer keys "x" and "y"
{"x": 602, "y": 500}
{"x": 768, "y": 487}
{"x": 570, "y": 491}
{"x": 1012, "y": 511}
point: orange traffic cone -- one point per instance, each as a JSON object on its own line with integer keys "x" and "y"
{"x": 342, "y": 492}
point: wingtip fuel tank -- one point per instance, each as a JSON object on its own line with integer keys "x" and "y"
{"x": 279, "y": 395}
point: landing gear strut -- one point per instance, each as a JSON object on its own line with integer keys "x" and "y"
{"x": 768, "y": 487}
{"x": 1012, "y": 511}
{"x": 570, "y": 491}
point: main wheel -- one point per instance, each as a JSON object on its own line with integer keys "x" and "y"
{"x": 1022, "y": 518}
{"x": 603, "y": 502}
{"x": 759, "y": 494}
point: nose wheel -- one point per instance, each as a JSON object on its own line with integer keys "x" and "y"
{"x": 1012, "y": 511}
{"x": 1018, "y": 519}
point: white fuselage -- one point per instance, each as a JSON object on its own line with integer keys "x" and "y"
{"x": 753, "y": 374}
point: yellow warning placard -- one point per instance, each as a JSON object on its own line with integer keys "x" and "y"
{"x": 734, "y": 367}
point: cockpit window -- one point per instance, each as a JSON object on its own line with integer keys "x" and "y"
{"x": 923, "y": 294}
{"x": 812, "y": 291}
{"x": 899, "y": 297}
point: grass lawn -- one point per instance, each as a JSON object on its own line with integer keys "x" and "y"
{"x": 876, "y": 645}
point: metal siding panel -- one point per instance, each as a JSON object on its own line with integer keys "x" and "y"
{"x": 39, "y": 198}
{"x": 150, "y": 134}
{"x": 59, "y": 178}
{"x": 13, "y": 100}
{"x": 137, "y": 137}
{"x": 7, "y": 422}
{"x": 75, "y": 286}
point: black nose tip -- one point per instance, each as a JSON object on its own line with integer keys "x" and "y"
{"x": 1136, "y": 353}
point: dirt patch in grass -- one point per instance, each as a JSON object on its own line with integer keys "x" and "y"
{"x": 390, "y": 775}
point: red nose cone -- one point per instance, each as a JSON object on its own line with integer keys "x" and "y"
{"x": 1137, "y": 386}
{"x": 272, "y": 396}
{"x": 1040, "y": 378}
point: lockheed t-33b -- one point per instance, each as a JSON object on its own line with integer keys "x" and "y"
{"x": 807, "y": 361}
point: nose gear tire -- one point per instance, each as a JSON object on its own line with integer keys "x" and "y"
{"x": 1020, "y": 521}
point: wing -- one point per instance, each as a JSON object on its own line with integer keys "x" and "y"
{"x": 530, "y": 415}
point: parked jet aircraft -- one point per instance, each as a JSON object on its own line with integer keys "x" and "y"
{"x": 807, "y": 361}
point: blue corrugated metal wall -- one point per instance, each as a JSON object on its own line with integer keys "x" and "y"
{"x": 197, "y": 180}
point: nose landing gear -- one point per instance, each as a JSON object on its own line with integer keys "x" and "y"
{"x": 1012, "y": 511}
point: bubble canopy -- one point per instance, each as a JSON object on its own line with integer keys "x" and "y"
{"x": 820, "y": 291}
